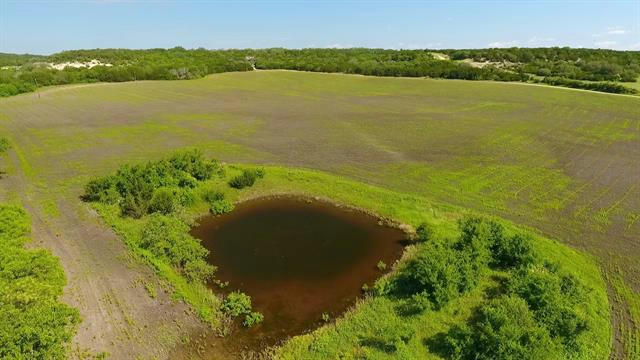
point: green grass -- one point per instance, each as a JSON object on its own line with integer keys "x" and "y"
{"x": 559, "y": 161}
{"x": 635, "y": 85}
{"x": 631, "y": 327}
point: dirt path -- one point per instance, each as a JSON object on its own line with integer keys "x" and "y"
{"x": 118, "y": 314}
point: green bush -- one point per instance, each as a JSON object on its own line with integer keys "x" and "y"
{"x": 553, "y": 298}
{"x": 252, "y": 318}
{"x": 4, "y": 145}
{"x": 211, "y": 195}
{"x": 34, "y": 324}
{"x": 168, "y": 237}
{"x": 135, "y": 206}
{"x": 434, "y": 271}
{"x": 424, "y": 233}
{"x": 14, "y": 225}
{"x": 442, "y": 270}
{"x": 246, "y": 179}
{"x": 512, "y": 251}
{"x": 198, "y": 270}
{"x": 218, "y": 205}
{"x": 186, "y": 197}
{"x": 236, "y": 304}
{"x": 162, "y": 201}
{"x": 609, "y": 87}
{"x": 416, "y": 304}
{"x": 134, "y": 187}
{"x": 102, "y": 190}
{"x": 221, "y": 207}
{"x": 477, "y": 236}
{"x": 504, "y": 328}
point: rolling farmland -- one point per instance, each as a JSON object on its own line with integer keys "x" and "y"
{"x": 563, "y": 162}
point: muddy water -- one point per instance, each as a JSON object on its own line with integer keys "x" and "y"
{"x": 297, "y": 259}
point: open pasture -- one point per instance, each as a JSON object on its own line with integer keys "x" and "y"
{"x": 564, "y": 162}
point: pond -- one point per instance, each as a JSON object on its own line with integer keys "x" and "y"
{"x": 297, "y": 259}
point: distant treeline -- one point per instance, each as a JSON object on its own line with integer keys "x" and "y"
{"x": 24, "y": 73}
{"x": 577, "y": 64}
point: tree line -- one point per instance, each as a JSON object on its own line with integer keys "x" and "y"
{"x": 577, "y": 64}
{"x": 24, "y": 73}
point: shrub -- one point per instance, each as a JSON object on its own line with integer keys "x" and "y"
{"x": 218, "y": 204}
{"x": 33, "y": 323}
{"x": 512, "y": 251}
{"x": 194, "y": 164}
{"x": 552, "y": 297}
{"x": 441, "y": 270}
{"x": 609, "y": 87}
{"x": 416, "y": 304}
{"x": 325, "y": 317}
{"x": 101, "y": 190}
{"x": 134, "y": 206}
{"x": 221, "y": 207}
{"x": 424, "y": 233}
{"x": 185, "y": 197}
{"x": 167, "y": 237}
{"x": 134, "y": 187}
{"x": 4, "y": 145}
{"x": 210, "y": 195}
{"x": 476, "y": 238}
{"x": 246, "y": 179}
{"x": 252, "y": 318}
{"x": 162, "y": 201}
{"x": 236, "y": 304}
{"x": 198, "y": 270}
{"x": 14, "y": 224}
{"x": 434, "y": 271}
{"x": 504, "y": 328}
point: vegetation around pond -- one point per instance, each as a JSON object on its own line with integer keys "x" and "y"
{"x": 148, "y": 205}
{"x": 433, "y": 300}
{"x": 34, "y": 324}
{"x": 467, "y": 283}
{"x": 523, "y": 304}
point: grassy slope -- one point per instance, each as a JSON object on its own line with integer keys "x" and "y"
{"x": 557, "y": 160}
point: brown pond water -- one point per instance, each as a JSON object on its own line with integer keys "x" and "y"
{"x": 297, "y": 259}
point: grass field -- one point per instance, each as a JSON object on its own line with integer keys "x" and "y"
{"x": 560, "y": 161}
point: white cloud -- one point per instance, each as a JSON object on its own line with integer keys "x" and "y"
{"x": 416, "y": 46}
{"x": 339, "y": 46}
{"x": 539, "y": 40}
{"x": 605, "y": 43}
{"x": 635, "y": 46}
{"x": 615, "y": 30}
{"x": 502, "y": 44}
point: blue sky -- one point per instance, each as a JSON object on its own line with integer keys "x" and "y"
{"x": 44, "y": 27}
